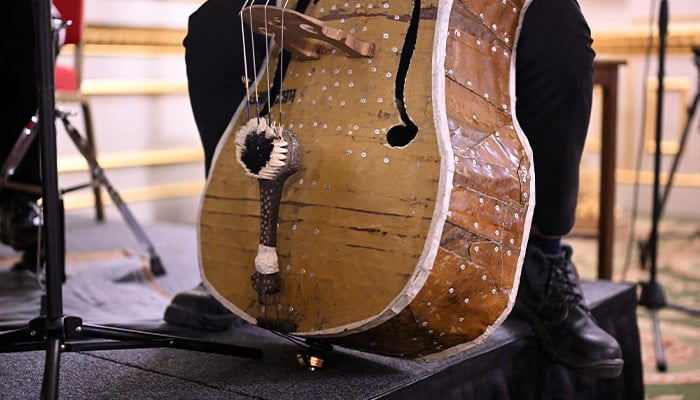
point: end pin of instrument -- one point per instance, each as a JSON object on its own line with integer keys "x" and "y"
{"x": 308, "y": 361}
{"x": 314, "y": 356}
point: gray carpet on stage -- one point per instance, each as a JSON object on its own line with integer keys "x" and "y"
{"x": 105, "y": 281}
{"x": 109, "y": 284}
{"x": 106, "y": 285}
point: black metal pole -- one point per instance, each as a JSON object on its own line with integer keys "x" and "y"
{"x": 49, "y": 175}
{"x": 692, "y": 109}
{"x": 652, "y": 295}
{"x": 663, "y": 24}
{"x": 50, "y": 197}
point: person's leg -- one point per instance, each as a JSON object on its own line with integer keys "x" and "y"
{"x": 18, "y": 85}
{"x": 215, "y": 68}
{"x": 215, "y": 71}
{"x": 19, "y": 214}
{"x": 554, "y": 84}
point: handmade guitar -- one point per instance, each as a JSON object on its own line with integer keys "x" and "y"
{"x": 382, "y": 200}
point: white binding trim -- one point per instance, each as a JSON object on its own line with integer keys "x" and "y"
{"x": 528, "y": 151}
{"x": 528, "y": 217}
{"x": 442, "y": 132}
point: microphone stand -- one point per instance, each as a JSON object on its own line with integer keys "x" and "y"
{"x": 54, "y": 331}
{"x": 652, "y": 294}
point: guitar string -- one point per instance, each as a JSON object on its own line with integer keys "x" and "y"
{"x": 269, "y": 112}
{"x": 284, "y": 9}
{"x": 280, "y": 94}
{"x": 267, "y": 65}
{"x": 269, "y": 94}
{"x": 246, "y": 81}
{"x": 255, "y": 66}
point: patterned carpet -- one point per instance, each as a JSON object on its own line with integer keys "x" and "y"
{"x": 678, "y": 273}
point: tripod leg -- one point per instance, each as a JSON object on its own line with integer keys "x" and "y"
{"x": 156, "y": 265}
{"x": 98, "y": 173}
{"x": 151, "y": 339}
{"x": 16, "y": 335}
{"x": 19, "y": 150}
{"x": 99, "y": 206}
{"x": 658, "y": 343}
{"x": 49, "y": 389}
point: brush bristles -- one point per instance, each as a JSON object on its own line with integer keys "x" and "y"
{"x": 260, "y": 149}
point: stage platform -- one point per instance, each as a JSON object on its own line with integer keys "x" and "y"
{"x": 107, "y": 284}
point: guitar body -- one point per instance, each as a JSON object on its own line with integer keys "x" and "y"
{"x": 408, "y": 247}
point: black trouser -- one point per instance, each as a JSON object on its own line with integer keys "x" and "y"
{"x": 215, "y": 68}
{"x": 554, "y": 89}
{"x": 554, "y": 84}
{"x": 18, "y": 85}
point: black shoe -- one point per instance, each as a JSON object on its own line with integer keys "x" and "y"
{"x": 196, "y": 308}
{"x": 20, "y": 220}
{"x": 550, "y": 298}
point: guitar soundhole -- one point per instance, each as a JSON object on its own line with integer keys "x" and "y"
{"x": 400, "y": 135}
